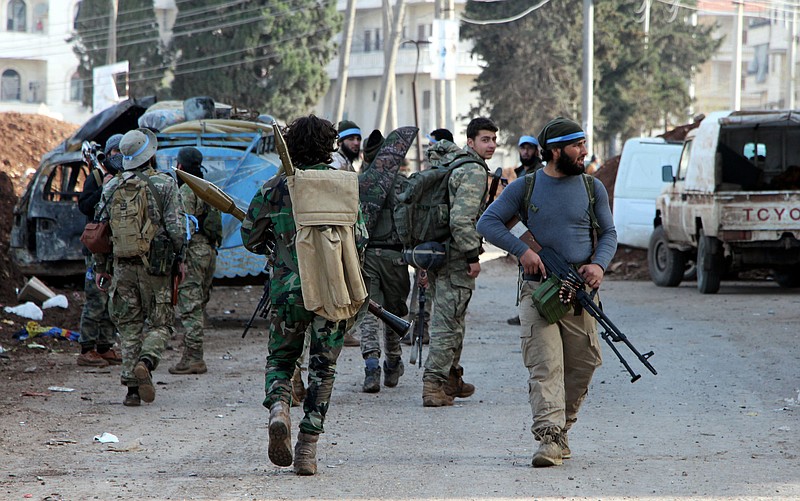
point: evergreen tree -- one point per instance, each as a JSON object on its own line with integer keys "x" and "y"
{"x": 137, "y": 42}
{"x": 263, "y": 55}
{"x": 534, "y": 65}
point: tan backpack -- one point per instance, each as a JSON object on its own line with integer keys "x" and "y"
{"x": 132, "y": 231}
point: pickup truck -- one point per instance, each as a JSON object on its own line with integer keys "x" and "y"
{"x": 733, "y": 203}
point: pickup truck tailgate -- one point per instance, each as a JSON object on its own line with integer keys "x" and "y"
{"x": 770, "y": 214}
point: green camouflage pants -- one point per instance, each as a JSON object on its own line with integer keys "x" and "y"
{"x": 451, "y": 296}
{"x": 561, "y": 359}
{"x": 141, "y": 307}
{"x": 389, "y": 285}
{"x": 193, "y": 292}
{"x": 287, "y": 332}
{"x": 96, "y": 325}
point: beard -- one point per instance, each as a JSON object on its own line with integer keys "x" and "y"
{"x": 530, "y": 162}
{"x": 569, "y": 166}
{"x": 350, "y": 154}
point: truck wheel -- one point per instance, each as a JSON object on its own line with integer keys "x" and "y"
{"x": 709, "y": 264}
{"x": 787, "y": 279}
{"x": 666, "y": 266}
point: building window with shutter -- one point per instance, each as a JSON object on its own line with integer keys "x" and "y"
{"x": 367, "y": 41}
{"x": 10, "y": 86}
{"x": 16, "y": 15}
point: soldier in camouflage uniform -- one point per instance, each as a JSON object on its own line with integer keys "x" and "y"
{"x": 140, "y": 302}
{"x": 201, "y": 261}
{"x": 97, "y": 329}
{"x": 389, "y": 285}
{"x": 455, "y": 281}
{"x": 269, "y": 222}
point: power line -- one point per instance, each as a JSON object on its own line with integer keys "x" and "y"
{"x": 485, "y": 22}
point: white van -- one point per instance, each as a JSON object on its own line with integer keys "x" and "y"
{"x": 638, "y": 184}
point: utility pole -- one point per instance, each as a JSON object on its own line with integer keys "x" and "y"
{"x": 450, "y": 85}
{"x": 390, "y": 64}
{"x": 111, "y": 51}
{"x": 344, "y": 59}
{"x": 737, "y": 59}
{"x": 439, "y": 85}
{"x": 387, "y": 53}
{"x": 587, "y": 109}
{"x": 790, "y": 99}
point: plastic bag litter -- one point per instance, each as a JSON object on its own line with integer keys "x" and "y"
{"x": 33, "y": 329}
{"x": 26, "y": 310}
{"x": 59, "y": 301}
{"x": 106, "y": 438}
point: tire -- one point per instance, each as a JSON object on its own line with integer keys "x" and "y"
{"x": 690, "y": 273}
{"x": 666, "y": 266}
{"x": 710, "y": 264}
{"x": 787, "y": 279}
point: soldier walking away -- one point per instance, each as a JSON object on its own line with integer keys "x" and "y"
{"x": 348, "y": 141}
{"x": 454, "y": 282}
{"x": 389, "y": 285}
{"x": 561, "y": 357}
{"x": 270, "y": 221}
{"x": 145, "y": 213}
{"x": 97, "y": 329}
{"x": 201, "y": 261}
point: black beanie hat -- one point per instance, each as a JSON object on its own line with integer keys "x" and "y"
{"x": 372, "y": 145}
{"x": 348, "y": 128}
{"x": 560, "y": 132}
{"x": 189, "y": 156}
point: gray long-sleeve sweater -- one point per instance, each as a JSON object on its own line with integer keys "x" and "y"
{"x": 558, "y": 217}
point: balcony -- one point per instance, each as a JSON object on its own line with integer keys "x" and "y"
{"x": 370, "y": 64}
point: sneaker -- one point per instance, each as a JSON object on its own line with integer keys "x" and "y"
{"x": 111, "y": 356}
{"x": 350, "y": 340}
{"x": 145, "y": 379}
{"x": 92, "y": 359}
{"x": 549, "y": 452}
{"x": 566, "y": 453}
{"x": 372, "y": 380}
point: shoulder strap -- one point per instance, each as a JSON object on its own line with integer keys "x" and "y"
{"x": 153, "y": 190}
{"x": 530, "y": 180}
{"x": 588, "y": 182}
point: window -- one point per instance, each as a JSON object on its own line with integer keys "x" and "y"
{"x": 367, "y": 41}
{"x": 16, "y": 16}
{"x": 378, "y": 40}
{"x": 755, "y": 152}
{"x": 75, "y": 87}
{"x": 684, "y": 163}
{"x": 759, "y": 65}
{"x": 426, "y": 100}
{"x": 10, "y": 86}
{"x": 40, "y": 17}
{"x": 424, "y": 31}
{"x": 75, "y": 14}
{"x": 65, "y": 182}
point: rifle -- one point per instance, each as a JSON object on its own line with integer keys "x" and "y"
{"x": 419, "y": 327}
{"x": 425, "y": 256}
{"x": 573, "y": 289}
{"x": 93, "y": 157}
{"x": 261, "y": 307}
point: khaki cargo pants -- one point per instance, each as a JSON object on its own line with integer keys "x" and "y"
{"x": 561, "y": 359}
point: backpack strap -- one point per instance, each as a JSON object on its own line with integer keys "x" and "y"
{"x": 530, "y": 181}
{"x": 153, "y": 190}
{"x": 588, "y": 183}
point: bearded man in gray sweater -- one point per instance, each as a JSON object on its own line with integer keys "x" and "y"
{"x": 561, "y": 357}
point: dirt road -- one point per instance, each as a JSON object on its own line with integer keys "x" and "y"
{"x": 719, "y": 421}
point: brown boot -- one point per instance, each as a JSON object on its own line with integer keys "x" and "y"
{"x": 191, "y": 363}
{"x": 305, "y": 454}
{"x": 549, "y": 452}
{"x": 280, "y": 434}
{"x": 433, "y": 394}
{"x": 455, "y": 385}
{"x": 351, "y": 340}
{"x": 298, "y": 388}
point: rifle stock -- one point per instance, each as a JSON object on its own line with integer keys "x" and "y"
{"x": 571, "y": 279}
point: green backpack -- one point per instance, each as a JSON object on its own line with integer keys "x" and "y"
{"x": 422, "y": 209}
{"x": 211, "y": 225}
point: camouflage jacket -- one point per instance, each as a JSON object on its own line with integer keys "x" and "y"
{"x": 171, "y": 222}
{"x": 468, "y": 186}
{"x": 196, "y": 207}
{"x": 269, "y": 220}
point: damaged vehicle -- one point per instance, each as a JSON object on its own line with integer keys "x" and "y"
{"x": 238, "y": 156}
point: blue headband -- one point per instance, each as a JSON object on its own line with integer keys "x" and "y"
{"x": 568, "y": 137}
{"x": 140, "y": 150}
{"x": 527, "y": 139}
{"x": 350, "y": 132}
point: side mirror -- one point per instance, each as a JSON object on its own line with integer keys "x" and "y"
{"x": 666, "y": 174}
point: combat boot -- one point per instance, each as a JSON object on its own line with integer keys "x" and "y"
{"x": 305, "y": 454}
{"x": 455, "y": 385}
{"x": 144, "y": 379}
{"x": 433, "y": 394}
{"x": 191, "y": 363}
{"x": 549, "y": 452}
{"x": 372, "y": 379}
{"x": 280, "y": 434}
{"x": 392, "y": 370}
{"x": 298, "y": 388}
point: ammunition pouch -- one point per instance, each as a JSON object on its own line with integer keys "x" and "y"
{"x": 161, "y": 256}
{"x": 547, "y": 301}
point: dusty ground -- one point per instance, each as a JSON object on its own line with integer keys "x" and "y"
{"x": 719, "y": 421}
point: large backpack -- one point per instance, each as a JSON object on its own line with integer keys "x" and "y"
{"x": 211, "y": 225}
{"x": 422, "y": 210}
{"x": 132, "y": 231}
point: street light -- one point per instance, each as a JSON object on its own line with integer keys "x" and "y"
{"x": 414, "y": 97}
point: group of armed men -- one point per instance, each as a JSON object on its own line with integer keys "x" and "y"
{"x": 551, "y": 195}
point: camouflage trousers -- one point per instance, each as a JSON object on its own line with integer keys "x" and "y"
{"x": 287, "y": 332}
{"x": 451, "y": 296}
{"x": 96, "y": 325}
{"x": 389, "y": 285}
{"x": 194, "y": 291}
{"x": 140, "y": 305}
{"x": 561, "y": 359}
